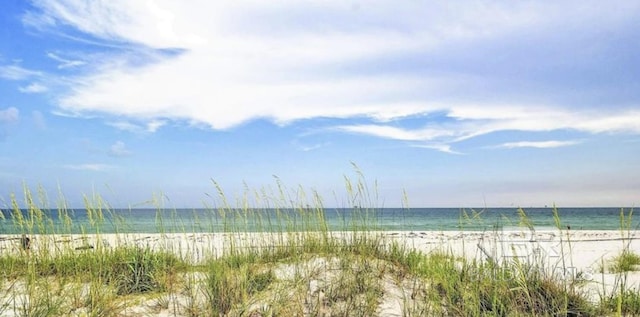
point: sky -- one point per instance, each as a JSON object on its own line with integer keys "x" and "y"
{"x": 437, "y": 103}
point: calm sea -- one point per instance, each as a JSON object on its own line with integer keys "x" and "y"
{"x": 388, "y": 219}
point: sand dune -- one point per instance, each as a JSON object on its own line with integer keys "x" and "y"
{"x": 565, "y": 253}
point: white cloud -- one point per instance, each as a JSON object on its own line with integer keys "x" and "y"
{"x": 15, "y": 72}
{"x": 539, "y": 144}
{"x": 125, "y": 126}
{"x": 465, "y": 122}
{"x": 96, "y": 167}
{"x": 33, "y": 88}
{"x": 9, "y": 115}
{"x": 148, "y": 127}
{"x": 310, "y": 147}
{"x": 65, "y": 63}
{"x": 445, "y": 148}
{"x": 397, "y": 133}
{"x": 607, "y": 122}
{"x": 154, "y": 125}
{"x": 291, "y": 60}
{"x": 119, "y": 149}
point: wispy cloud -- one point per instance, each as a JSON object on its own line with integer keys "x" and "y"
{"x": 310, "y": 147}
{"x": 9, "y": 115}
{"x": 96, "y": 167}
{"x": 240, "y": 61}
{"x": 119, "y": 149}
{"x": 33, "y": 88}
{"x": 65, "y": 63}
{"x": 539, "y": 144}
{"x": 15, "y": 72}
{"x": 445, "y": 148}
{"x": 397, "y": 133}
{"x": 154, "y": 125}
{"x": 466, "y": 122}
{"x": 148, "y": 127}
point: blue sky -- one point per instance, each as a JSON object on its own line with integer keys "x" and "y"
{"x": 458, "y": 104}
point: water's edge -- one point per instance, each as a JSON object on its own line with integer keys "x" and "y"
{"x": 332, "y": 219}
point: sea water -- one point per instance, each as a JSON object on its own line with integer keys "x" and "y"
{"x": 302, "y": 219}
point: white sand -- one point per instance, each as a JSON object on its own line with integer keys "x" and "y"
{"x": 586, "y": 248}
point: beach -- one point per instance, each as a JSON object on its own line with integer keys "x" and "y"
{"x": 587, "y": 248}
{"x": 566, "y": 254}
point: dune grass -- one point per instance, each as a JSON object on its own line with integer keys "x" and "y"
{"x": 302, "y": 268}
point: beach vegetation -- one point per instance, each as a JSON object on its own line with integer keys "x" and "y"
{"x": 276, "y": 256}
{"x": 624, "y": 303}
{"x": 625, "y": 262}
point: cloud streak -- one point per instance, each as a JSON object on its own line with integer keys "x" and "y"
{"x": 65, "y": 63}
{"x": 466, "y": 122}
{"x": 15, "y": 72}
{"x": 33, "y": 88}
{"x": 9, "y": 115}
{"x": 119, "y": 149}
{"x": 95, "y": 167}
{"x": 538, "y": 144}
{"x": 242, "y": 61}
{"x": 148, "y": 127}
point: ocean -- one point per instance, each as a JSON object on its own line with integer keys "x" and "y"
{"x": 335, "y": 219}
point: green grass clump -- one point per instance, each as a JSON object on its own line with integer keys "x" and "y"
{"x": 458, "y": 287}
{"x": 130, "y": 269}
{"x": 229, "y": 284}
{"x": 139, "y": 270}
{"x": 625, "y": 262}
{"x": 626, "y": 302}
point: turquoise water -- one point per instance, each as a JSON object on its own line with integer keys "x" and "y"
{"x": 387, "y": 219}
